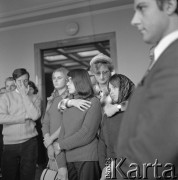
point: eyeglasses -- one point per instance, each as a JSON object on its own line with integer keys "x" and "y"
{"x": 104, "y": 73}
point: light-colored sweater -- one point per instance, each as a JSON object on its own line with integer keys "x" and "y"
{"x": 18, "y": 115}
{"x": 52, "y": 121}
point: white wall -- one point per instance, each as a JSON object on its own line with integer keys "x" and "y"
{"x": 17, "y": 44}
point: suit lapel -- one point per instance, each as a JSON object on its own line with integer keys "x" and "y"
{"x": 157, "y": 64}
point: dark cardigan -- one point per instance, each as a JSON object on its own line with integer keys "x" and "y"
{"x": 107, "y": 138}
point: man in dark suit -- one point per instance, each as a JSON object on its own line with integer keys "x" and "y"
{"x": 147, "y": 145}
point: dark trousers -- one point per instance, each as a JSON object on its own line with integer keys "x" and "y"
{"x": 86, "y": 170}
{"x": 19, "y": 160}
{"x": 42, "y": 154}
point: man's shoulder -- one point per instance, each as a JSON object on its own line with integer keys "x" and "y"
{"x": 171, "y": 49}
{"x": 168, "y": 60}
{"x": 8, "y": 94}
{"x": 8, "y": 97}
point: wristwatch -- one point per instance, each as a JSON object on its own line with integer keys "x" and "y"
{"x": 119, "y": 107}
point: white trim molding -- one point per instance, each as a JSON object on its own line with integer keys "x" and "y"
{"x": 57, "y": 10}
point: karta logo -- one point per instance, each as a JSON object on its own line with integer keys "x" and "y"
{"x": 115, "y": 168}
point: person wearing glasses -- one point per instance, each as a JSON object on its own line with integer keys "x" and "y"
{"x": 102, "y": 69}
{"x": 78, "y": 136}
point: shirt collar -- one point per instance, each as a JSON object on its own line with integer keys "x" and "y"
{"x": 164, "y": 43}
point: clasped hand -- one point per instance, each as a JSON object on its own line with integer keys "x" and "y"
{"x": 53, "y": 151}
{"x": 81, "y": 104}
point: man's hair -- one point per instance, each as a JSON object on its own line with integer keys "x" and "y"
{"x": 9, "y": 79}
{"x": 82, "y": 83}
{"x": 20, "y": 72}
{"x": 62, "y": 70}
{"x": 160, "y": 4}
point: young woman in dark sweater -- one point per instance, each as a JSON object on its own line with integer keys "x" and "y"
{"x": 80, "y": 129}
{"x": 120, "y": 89}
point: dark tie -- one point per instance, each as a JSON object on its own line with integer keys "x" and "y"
{"x": 152, "y": 58}
{"x": 148, "y": 70}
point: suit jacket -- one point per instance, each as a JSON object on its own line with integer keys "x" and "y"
{"x": 149, "y": 129}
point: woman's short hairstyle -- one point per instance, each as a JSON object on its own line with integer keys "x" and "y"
{"x": 20, "y": 72}
{"x": 32, "y": 84}
{"x": 62, "y": 70}
{"x": 125, "y": 85}
{"x": 82, "y": 83}
{"x": 94, "y": 68}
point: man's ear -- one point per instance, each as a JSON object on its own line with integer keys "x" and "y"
{"x": 170, "y": 6}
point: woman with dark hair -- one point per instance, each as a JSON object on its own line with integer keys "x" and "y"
{"x": 32, "y": 88}
{"x": 120, "y": 90}
{"x": 79, "y": 130}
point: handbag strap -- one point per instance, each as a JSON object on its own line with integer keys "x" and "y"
{"x": 54, "y": 162}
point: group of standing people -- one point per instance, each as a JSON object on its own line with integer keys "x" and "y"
{"x": 74, "y": 113}
{"x": 148, "y": 129}
{"x": 71, "y": 124}
{"x": 84, "y": 123}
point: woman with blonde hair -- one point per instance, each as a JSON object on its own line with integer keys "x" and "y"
{"x": 101, "y": 67}
{"x": 52, "y": 118}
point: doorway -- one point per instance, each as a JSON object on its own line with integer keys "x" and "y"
{"x": 69, "y": 53}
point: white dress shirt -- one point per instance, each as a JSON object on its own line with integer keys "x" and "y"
{"x": 163, "y": 44}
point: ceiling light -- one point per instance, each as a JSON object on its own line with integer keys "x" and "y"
{"x": 88, "y": 53}
{"x": 55, "y": 58}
